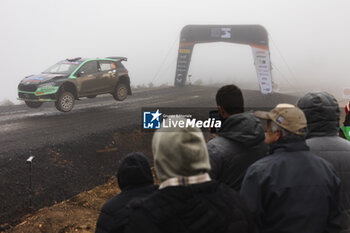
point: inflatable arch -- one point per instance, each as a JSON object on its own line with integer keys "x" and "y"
{"x": 253, "y": 35}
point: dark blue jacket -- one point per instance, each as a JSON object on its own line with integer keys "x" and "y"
{"x": 240, "y": 143}
{"x": 293, "y": 190}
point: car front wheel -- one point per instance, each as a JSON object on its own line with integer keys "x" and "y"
{"x": 121, "y": 92}
{"x": 65, "y": 102}
{"x": 33, "y": 104}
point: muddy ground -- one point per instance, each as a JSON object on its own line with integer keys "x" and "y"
{"x": 62, "y": 171}
{"x": 64, "y": 179}
{"x": 78, "y": 214}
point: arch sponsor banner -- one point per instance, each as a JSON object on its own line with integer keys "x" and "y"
{"x": 263, "y": 69}
{"x": 252, "y": 35}
{"x": 346, "y": 93}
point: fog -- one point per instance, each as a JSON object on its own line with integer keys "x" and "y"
{"x": 308, "y": 40}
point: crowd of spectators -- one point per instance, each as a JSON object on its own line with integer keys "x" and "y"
{"x": 282, "y": 170}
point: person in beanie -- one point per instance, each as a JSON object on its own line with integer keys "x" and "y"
{"x": 187, "y": 199}
{"x": 240, "y": 140}
{"x": 322, "y": 113}
{"x": 135, "y": 179}
{"x": 292, "y": 189}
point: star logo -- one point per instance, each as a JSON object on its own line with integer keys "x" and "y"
{"x": 156, "y": 115}
{"x": 151, "y": 120}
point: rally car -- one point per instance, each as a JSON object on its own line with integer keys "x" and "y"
{"x": 72, "y": 79}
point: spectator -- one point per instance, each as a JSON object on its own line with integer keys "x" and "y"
{"x": 187, "y": 200}
{"x": 136, "y": 181}
{"x": 240, "y": 140}
{"x": 345, "y": 129}
{"x": 347, "y": 108}
{"x": 291, "y": 190}
{"x": 322, "y": 113}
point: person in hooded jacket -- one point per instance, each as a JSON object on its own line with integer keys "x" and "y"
{"x": 135, "y": 180}
{"x": 187, "y": 199}
{"x": 322, "y": 113}
{"x": 240, "y": 140}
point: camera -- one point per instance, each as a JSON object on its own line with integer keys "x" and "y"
{"x": 214, "y": 114}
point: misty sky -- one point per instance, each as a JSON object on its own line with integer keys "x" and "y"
{"x": 309, "y": 40}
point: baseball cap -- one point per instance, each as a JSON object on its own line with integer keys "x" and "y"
{"x": 287, "y": 116}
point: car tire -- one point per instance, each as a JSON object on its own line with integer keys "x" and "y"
{"x": 33, "y": 104}
{"x": 91, "y": 96}
{"x": 65, "y": 101}
{"x": 121, "y": 92}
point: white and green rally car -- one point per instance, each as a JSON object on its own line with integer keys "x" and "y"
{"x": 71, "y": 79}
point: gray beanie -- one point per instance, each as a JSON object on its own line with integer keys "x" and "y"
{"x": 179, "y": 152}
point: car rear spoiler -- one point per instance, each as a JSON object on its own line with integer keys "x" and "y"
{"x": 119, "y": 58}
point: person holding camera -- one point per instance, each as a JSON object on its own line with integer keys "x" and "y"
{"x": 240, "y": 140}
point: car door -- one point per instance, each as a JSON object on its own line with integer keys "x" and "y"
{"x": 88, "y": 78}
{"x": 107, "y": 75}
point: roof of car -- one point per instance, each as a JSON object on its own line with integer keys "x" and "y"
{"x": 79, "y": 59}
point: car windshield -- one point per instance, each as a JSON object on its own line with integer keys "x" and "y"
{"x": 62, "y": 68}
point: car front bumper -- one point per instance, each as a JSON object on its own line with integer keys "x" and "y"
{"x": 34, "y": 98}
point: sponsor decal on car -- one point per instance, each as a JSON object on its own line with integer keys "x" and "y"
{"x": 185, "y": 51}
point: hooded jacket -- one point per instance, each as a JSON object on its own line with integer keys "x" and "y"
{"x": 205, "y": 207}
{"x": 293, "y": 190}
{"x": 240, "y": 143}
{"x": 179, "y": 152}
{"x": 136, "y": 182}
{"x": 322, "y": 113}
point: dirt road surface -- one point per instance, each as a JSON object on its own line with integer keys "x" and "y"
{"x": 76, "y": 151}
{"x": 25, "y": 128}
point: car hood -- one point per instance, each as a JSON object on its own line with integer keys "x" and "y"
{"x": 42, "y": 78}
